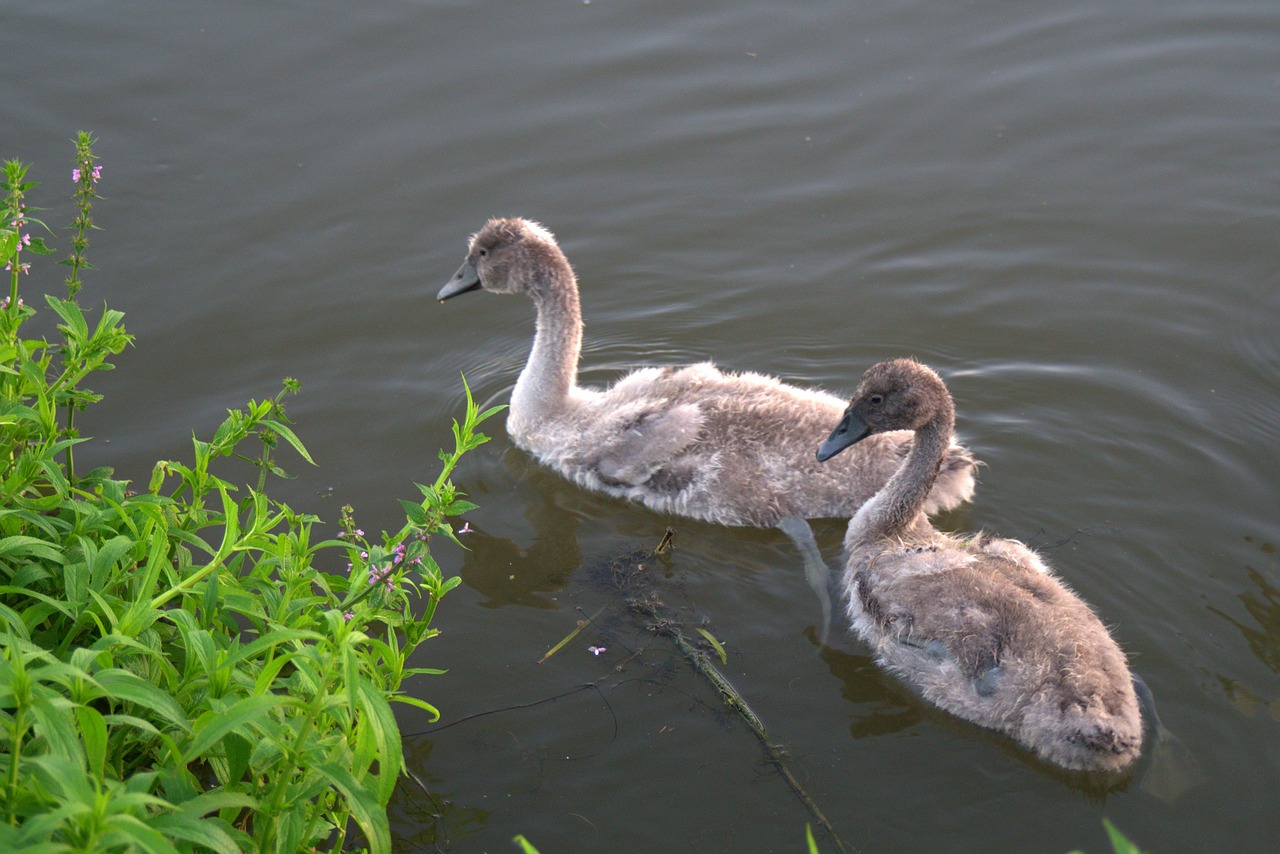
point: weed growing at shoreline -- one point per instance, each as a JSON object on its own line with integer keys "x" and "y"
{"x": 175, "y": 673}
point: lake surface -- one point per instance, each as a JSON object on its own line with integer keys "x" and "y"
{"x": 1070, "y": 210}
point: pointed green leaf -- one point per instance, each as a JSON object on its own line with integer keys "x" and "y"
{"x": 51, "y": 720}
{"x": 21, "y": 546}
{"x": 376, "y": 714}
{"x": 93, "y": 728}
{"x": 121, "y": 685}
{"x": 206, "y": 833}
{"x": 365, "y": 808}
{"x": 421, "y": 704}
{"x": 211, "y": 727}
{"x": 289, "y": 436}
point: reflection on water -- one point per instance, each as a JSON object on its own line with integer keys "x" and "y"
{"x": 1262, "y": 636}
{"x": 1263, "y": 604}
{"x": 880, "y": 704}
{"x": 423, "y": 814}
{"x": 510, "y": 575}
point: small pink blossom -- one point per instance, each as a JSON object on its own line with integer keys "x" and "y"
{"x": 596, "y": 650}
{"x": 466, "y": 528}
{"x": 383, "y": 575}
{"x": 94, "y": 175}
{"x": 347, "y": 616}
{"x": 26, "y": 240}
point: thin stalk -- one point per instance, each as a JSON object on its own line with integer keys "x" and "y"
{"x": 15, "y": 756}
{"x": 71, "y": 454}
{"x": 186, "y": 583}
{"x": 86, "y": 175}
{"x": 295, "y": 750}
{"x": 264, "y": 463}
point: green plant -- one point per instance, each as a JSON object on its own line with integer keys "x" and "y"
{"x": 176, "y": 673}
{"x": 1120, "y": 843}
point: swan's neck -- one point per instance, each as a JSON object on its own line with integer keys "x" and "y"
{"x": 894, "y": 511}
{"x": 552, "y": 371}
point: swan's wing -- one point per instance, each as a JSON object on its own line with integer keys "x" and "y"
{"x": 1012, "y": 551}
{"x": 969, "y": 610}
{"x": 647, "y": 441}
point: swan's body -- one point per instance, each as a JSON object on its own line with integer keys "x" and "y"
{"x": 979, "y": 625}
{"x": 734, "y": 449}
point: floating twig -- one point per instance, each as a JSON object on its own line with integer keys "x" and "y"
{"x": 643, "y": 599}
{"x": 582, "y": 624}
{"x": 665, "y": 543}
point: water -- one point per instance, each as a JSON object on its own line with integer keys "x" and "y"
{"x": 1068, "y": 210}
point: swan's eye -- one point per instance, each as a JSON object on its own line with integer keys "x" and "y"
{"x": 876, "y": 399}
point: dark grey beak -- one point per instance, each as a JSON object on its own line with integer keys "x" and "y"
{"x": 851, "y": 429}
{"x": 466, "y": 279}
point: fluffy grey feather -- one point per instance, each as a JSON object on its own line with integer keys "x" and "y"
{"x": 735, "y": 449}
{"x": 1024, "y": 655}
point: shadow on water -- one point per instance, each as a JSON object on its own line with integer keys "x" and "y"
{"x": 507, "y": 574}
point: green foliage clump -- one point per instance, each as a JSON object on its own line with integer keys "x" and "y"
{"x": 175, "y": 672}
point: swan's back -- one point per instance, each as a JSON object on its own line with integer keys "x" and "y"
{"x": 731, "y": 448}
{"x": 1001, "y": 643}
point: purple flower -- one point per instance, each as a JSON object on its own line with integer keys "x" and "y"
{"x": 466, "y": 528}
{"x": 26, "y": 240}
{"x": 94, "y": 175}
{"x": 347, "y": 616}
{"x": 384, "y": 575}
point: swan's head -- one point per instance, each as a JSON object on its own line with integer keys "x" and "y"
{"x": 898, "y": 394}
{"x": 507, "y": 256}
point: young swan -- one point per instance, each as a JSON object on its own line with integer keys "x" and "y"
{"x": 979, "y": 625}
{"x": 728, "y": 448}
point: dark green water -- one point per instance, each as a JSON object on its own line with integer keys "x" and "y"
{"x": 1068, "y": 209}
